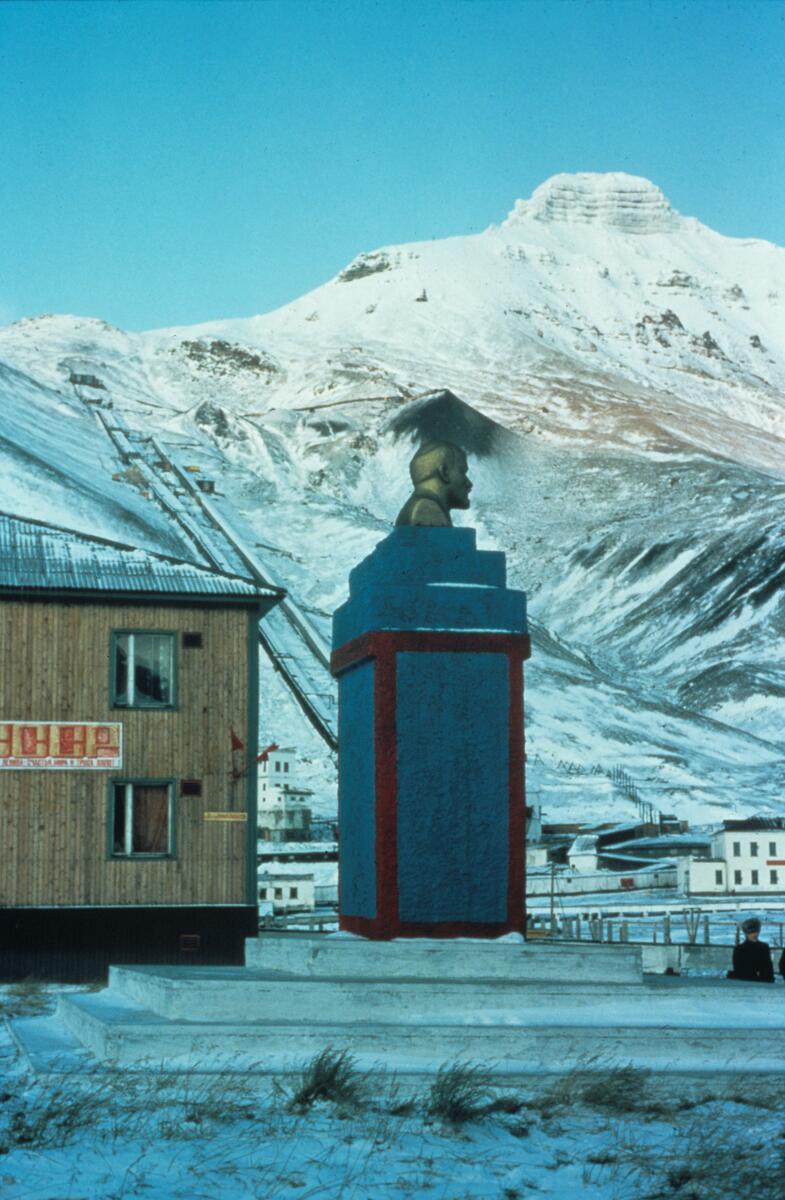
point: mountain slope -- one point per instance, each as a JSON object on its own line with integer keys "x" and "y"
{"x": 623, "y": 373}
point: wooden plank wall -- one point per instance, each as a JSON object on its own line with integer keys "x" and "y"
{"x": 54, "y": 666}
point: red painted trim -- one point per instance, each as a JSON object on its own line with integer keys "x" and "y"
{"x": 383, "y": 646}
{"x": 371, "y": 928}
{"x": 433, "y": 640}
{"x": 361, "y": 925}
{"x": 350, "y": 654}
{"x": 340, "y": 919}
{"x": 524, "y": 861}
{"x": 386, "y": 752}
{"x": 517, "y": 810}
{"x": 775, "y": 862}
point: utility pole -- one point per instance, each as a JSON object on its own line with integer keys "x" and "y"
{"x": 553, "y": 898}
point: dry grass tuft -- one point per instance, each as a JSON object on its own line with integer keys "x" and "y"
{"x": 460, "y": 1092}
{"x": 29, "y": 998}
{"x": 330, "y": 1076}
{"x": 710, "y": 1159}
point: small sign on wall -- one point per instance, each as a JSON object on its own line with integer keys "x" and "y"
{"x": 61, "y": 745}
{"x": 226, "y": 816}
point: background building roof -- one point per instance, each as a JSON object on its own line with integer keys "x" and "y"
{"x": 36, "y": 556}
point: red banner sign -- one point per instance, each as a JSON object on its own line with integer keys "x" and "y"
{"x": 61, "y": 745}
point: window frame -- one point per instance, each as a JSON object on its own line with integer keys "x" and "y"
{"x": 172, "y": 705}
{"x": 754, "y": 880}
{"x": 125, "y": 781}
{"x": 737, "y": 880}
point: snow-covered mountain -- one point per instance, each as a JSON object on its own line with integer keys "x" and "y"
{"x": 621, "y": 374}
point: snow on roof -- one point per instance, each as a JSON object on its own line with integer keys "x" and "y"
{"x": 584, "y": 844}
{"x": 273, "y": 849}
{"x": 640, "y": 864}
{"x": 662, "y": 843}
{"x": 35, "y": 555}
{"x": 611, "y": 827}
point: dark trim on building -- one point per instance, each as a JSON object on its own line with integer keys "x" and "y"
{"x": 251, "y": 752}
{"x": 77, "y": 944}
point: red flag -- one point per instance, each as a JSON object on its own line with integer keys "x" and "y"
{"x": 236, "y": 743}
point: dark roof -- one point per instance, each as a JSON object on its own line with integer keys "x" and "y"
{"x": 673, "y": 841}
{"x": 740, "y": 824}
{"x": 36, "y": 556}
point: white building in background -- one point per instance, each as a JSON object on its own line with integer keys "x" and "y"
{"x": 702, "y": 876}
{"x": 583, "y": 854}
{"x": 747, "y": 857}
{"x": 284, "y": 813}
{"x": 282, "y": 891}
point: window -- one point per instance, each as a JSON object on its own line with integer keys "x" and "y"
{"x": 262, "y": 893}
{"x": 277, "y": 766}
{"x": 192, "y": 641}
{"x": 718, "y": 877}
{"x": 292, "y": 893}
{"x": 773, "y": 849}
{"x": 286, "y": 767}
{"x": 753, "y": 849}
{"x": 737, "y": 849}
{"x": 279, "y": 893}
{"x": 774, "y": 877}
{"x": 143, "y": 670}
{"x": 737, "y": 876}
{"x": 190, "y": 787}
{"x": 142, "y": 819}
{"x": 754, "y": 877}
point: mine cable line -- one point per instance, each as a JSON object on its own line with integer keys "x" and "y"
{"x": 144, "y": 453}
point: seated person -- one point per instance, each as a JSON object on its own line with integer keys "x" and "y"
{"x": 752, "y": 958}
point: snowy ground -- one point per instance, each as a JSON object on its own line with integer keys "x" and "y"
{"x": 611, "y": 1138}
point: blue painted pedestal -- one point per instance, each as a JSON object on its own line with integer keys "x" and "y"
{"x": 429, "y": 653}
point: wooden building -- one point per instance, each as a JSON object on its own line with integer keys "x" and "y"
{"x": 128, "y": 744}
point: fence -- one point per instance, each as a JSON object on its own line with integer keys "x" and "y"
{"x": 687, "y": 927}
{"x": 621, "y": 780}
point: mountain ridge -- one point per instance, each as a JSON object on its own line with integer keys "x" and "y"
{"x": 638, "y": 376}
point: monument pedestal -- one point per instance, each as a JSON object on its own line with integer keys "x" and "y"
{"x": 429, "y": 653}
{"x": 404, "y": 1008}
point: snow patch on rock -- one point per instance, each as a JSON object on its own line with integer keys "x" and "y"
{"x": 625, "y": 202}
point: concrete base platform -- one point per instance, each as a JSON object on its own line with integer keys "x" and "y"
{"x": 398, "y": 1013}
{"x": 445, "y": 958}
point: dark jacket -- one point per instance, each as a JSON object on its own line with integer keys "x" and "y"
{"x": 752, "y": 960}
{"x": 781, "y": 967}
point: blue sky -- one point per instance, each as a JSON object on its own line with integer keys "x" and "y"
{"x": 167, "y": 163}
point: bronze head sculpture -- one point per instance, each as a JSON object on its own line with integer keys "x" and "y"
{"x": 439, "y": 472}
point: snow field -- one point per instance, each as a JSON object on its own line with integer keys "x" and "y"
{"x": 606, "y": 1135}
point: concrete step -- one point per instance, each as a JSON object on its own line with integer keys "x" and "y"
{"x": 116, "y": 1029}
{"x": 441, "y": 958}
{"x": 226, "y": 993}
{"x": 243, "y": 994}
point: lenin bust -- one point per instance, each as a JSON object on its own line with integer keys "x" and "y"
{"x": 439, "y": 472}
